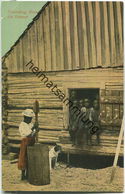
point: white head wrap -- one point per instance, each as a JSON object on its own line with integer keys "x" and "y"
{"x": 28, "y": 113}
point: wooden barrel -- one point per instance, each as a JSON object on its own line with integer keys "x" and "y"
{"x": 38, "y": 164}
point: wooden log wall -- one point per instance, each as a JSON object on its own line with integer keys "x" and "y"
{"x": 71, "y": 35}
{"x": 25, "y": 88}
{"x": 5, "y": 141}
{"x": 4, "y": 98}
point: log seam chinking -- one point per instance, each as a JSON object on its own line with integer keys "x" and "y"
{"x": 55, "y": 90}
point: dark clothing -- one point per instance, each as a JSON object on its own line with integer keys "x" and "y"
{"x": 94, "y": 115}
{"x": 79, "y": 127}
{"x": 73, "y": 126}
{"x": 82, "y": 132}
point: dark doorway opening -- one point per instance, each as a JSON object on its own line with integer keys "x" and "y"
{"x": 82, "y": 93}
{"x": 85, "y": 100}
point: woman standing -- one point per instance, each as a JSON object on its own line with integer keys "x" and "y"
{"x": 27, "y": 131}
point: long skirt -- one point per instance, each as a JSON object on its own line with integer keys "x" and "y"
{"x": 22, "y": 161}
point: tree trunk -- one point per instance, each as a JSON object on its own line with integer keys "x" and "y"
{"x": 38, "y": 164}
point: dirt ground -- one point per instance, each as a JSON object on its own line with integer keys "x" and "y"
{"x": 65, "y": 179}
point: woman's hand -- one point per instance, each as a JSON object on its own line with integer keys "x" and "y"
{"x": 36, "y": 125}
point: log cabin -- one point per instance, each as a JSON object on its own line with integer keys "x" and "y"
{"x": 79, "y": 47}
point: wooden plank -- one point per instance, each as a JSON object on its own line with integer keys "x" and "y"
{"x": 114, "y": 85}
{"x": 44, "y": 103}
{"x": 43, "y": 121}
{"x": 18, "y": 138}
{"x": 14, "y": 145}
{"x": 75, "y": 35}
{"x": 17, "y": 50}
{"x": 112, "y": 34}
{"x": 42, "y": 111}
{"x": 40, "y": 38}
{"x": 46, "y": 97}
{"x": 28, "y": 49}
{"x": 35, "y": 43}
{"x": 116, "y": 74}
{"x": 9, "y": 63}
{"x": 18, "y": 90}
{"x": 94, "y": 150}
{"x": 122, "y": 13}
{"x": 22, "y": 96}
{"x": 35, "y": 81}
{"x": 58, "y": 38}
{"x": 92, "y": 38}
{"x": 59, "y": 7}
{"x": 80, "y": 35}
{"x": 20, "y": 55}
{"x": 48, "y": 141}
{"x": 49, "y": 127}
{"x": 42, "y": 133}
{"x": 67, "y": 47}
{"x": 46, "y": 29}
{"x": 107, "y": 46}
{"x": 119, "y": 23}
{"x": 55, "y": 118}
{"x": 105, "y": 134}
{"x": 116, "y": 32}
{"x": 110, "y": 77}
{"x": 71, "y": 22}
{"x": 53, "y": 36}
{"x": 29, "y": 46}
{"x": 14, "y": 67}
{"x": 98, "y": 34}
{"x": 26, "y": 59}
{"x": 54, "y": 139}
{"x": 102, "y": 33}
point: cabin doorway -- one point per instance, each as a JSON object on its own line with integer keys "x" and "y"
{"x": 86, "y": 99}
{"x": 82, "y": 93}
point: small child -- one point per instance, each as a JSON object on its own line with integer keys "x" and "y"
{"x": 27, "y": 131}
{"x": 82, "y": 135}
{"x": 94, "y": 116}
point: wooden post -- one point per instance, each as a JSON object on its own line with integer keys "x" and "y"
{"x": 117, "y": 152}
{"x": 68, "y": 160}
{"x": 36, "y": 111}
{"x": 38, "y": 164}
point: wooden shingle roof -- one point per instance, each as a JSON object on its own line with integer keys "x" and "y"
{"x": 69, "y": 36}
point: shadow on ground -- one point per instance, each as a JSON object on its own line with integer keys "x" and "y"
{"x": 90, "y": 161}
